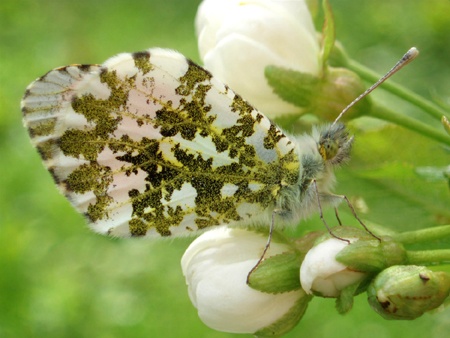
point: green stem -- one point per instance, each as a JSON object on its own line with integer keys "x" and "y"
{"x": 423, "y": 235}
{"x": 428, "y": 257}
{"x": 398, "y": 90}
{"x": 386, "y": 114}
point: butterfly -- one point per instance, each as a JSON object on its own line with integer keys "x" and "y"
{"x": 151, "y": 144}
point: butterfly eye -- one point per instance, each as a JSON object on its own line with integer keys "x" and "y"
{"x": 328, "y": 148}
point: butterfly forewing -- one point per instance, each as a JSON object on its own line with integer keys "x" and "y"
{"x": 150, "y": 143}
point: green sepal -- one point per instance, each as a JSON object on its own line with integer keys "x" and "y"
{"x": 346, "y": 232}
{"x": 340, "y": 86}
{"x": 338, "y": 57}
{"x": 342, "y": 232}
{"x": 307, "y": 241}
{"x": 292, "y": 86}
{"x": 328, "y": 33}
{"x": 371, "y": 255}
{"x": 344, "y": 302}
{"x": 324, "y": 97}
{"x": 288, "y": 321}
{"x": 277, "y": 274}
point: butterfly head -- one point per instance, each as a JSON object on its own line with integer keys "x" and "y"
{"x": 334, "y": 143}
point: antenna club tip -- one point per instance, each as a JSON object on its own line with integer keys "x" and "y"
{"x": 407, "y": 58}
{"x": 412, "y": 53}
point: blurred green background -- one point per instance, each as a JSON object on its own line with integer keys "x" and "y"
{"x": 58, "y": 279}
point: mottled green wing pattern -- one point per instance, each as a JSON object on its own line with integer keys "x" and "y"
{"x": 150, "y": 143}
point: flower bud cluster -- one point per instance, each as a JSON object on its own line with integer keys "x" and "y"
{"x": 217, "y": 265}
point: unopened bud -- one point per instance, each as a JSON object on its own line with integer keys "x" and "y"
{"x": 320, "y": 272}
{"x": 407, "y": 292}
{"x": 339, "y": 87}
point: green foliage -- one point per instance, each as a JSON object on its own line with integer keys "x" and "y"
{"x": 60, "y": 280}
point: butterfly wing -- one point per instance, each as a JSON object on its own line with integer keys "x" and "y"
{"x": 151, "y": 143}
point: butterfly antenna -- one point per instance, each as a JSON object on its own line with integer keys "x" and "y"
{"x": 407, "y": 58}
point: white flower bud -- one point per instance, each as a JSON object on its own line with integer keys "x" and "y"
{"x": 216, "y": 266}
{"x": 322, "y": 274}
{"x": 238, "y": 39}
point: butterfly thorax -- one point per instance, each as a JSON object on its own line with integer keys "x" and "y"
{"x": 319, "y": 153}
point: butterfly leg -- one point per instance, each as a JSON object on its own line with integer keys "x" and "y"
{"x": 356, "y": 216}
{"x": 269, "y": 240}
{"x": 337, "y": 216}
{"x": 322, "y": 217}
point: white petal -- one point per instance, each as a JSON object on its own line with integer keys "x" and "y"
{"x": 216, "y": 266}
{"x": 238, "y": 39}
{"x": 320, "y": 262}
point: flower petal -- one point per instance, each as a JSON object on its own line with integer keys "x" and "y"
{"x": 216, "y": 266}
